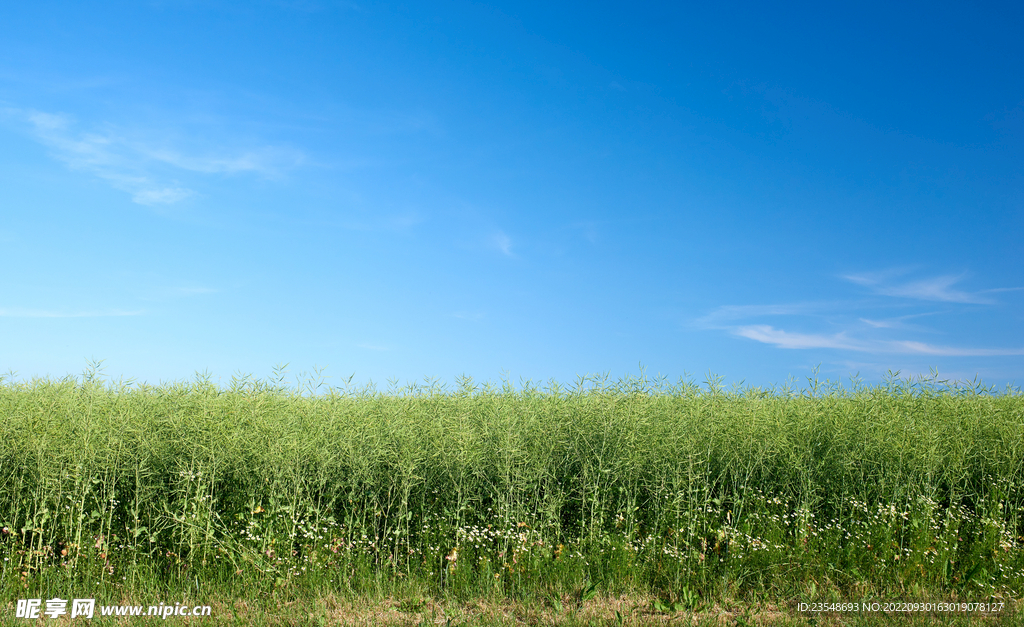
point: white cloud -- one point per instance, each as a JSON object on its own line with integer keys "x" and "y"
{"x": 151, "y": 290}
{"x": 897, "y": 322}
{"x": 269, "y": 162}
{"x": 19, "y": 312}
{"x": 729, "y": 313}
{"x": 589, "y": 231}
{"x": 878, "y": 324}
{"x": 503, "y": 243}
{"x": 862, "y": 334}
{"x": 139, "y": 166}
{"x": 192, "y": 291}
{"x": 166, "y": 196}
{"x": 938, "y": 288}
{"x": 783, "y": 339}
{"x": 920, "y": 348}
{"x": 48, "y": 121}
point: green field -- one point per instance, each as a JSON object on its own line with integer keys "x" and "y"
{"x": 636, "y": 502}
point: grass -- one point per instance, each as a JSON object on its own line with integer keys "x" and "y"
{"x": 636, "y": 502}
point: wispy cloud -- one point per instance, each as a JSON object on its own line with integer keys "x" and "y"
{"x": 784, "y": 339}
{"x": 162, "y": 196}
{"x": 196, "y": 290}
{"x": 878, "y": 324}
{"x": 18, "y": 312}
{"x": 938, "y": 289}
{"x": 268, "y": 162}
{"x": 899, "y": 322}
{"x": 589, "y": 231}
{"x": 104, "y": 156}
{"x": 151, "y": 290}
{"x": 920, "y": 348}
{"x": 503, "y": 243}
{"x": 403, "y": 222}
{"x": 730, "y": 313}
{"x": 847, "y": 329}
{"x": 140, "y": 167}
{"x": 474, "y": 316}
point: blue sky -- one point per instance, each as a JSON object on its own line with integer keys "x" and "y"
{"x": 399, "y": 191}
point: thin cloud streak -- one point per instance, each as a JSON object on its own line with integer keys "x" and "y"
{"x": 728, "y": 313}
{"x": 100, "y": 155}
{"x": 938, "y": 289}
{"x": 783, "y": 339}
{"x": 268, "y": 162}
{"x": 860, "y": 333}
{"x": 192, "y": 291}
{"x": 165, "y": 196}
{"x": 920, "y": 348}
{"x": 169, "y": 292}
{"x": 879, "y": 324}
{"x": 895, "y": 323}
{"x": 41, "y": 313}
{"x": 126, "y": 163}
{"x": 504, "y": 244}
{"x": 1001, "y": 289}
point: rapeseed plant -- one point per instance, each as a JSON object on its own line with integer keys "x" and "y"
{"x": 635, "y": 486}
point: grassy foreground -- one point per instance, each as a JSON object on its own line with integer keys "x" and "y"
{"x": 631, "y": 503}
